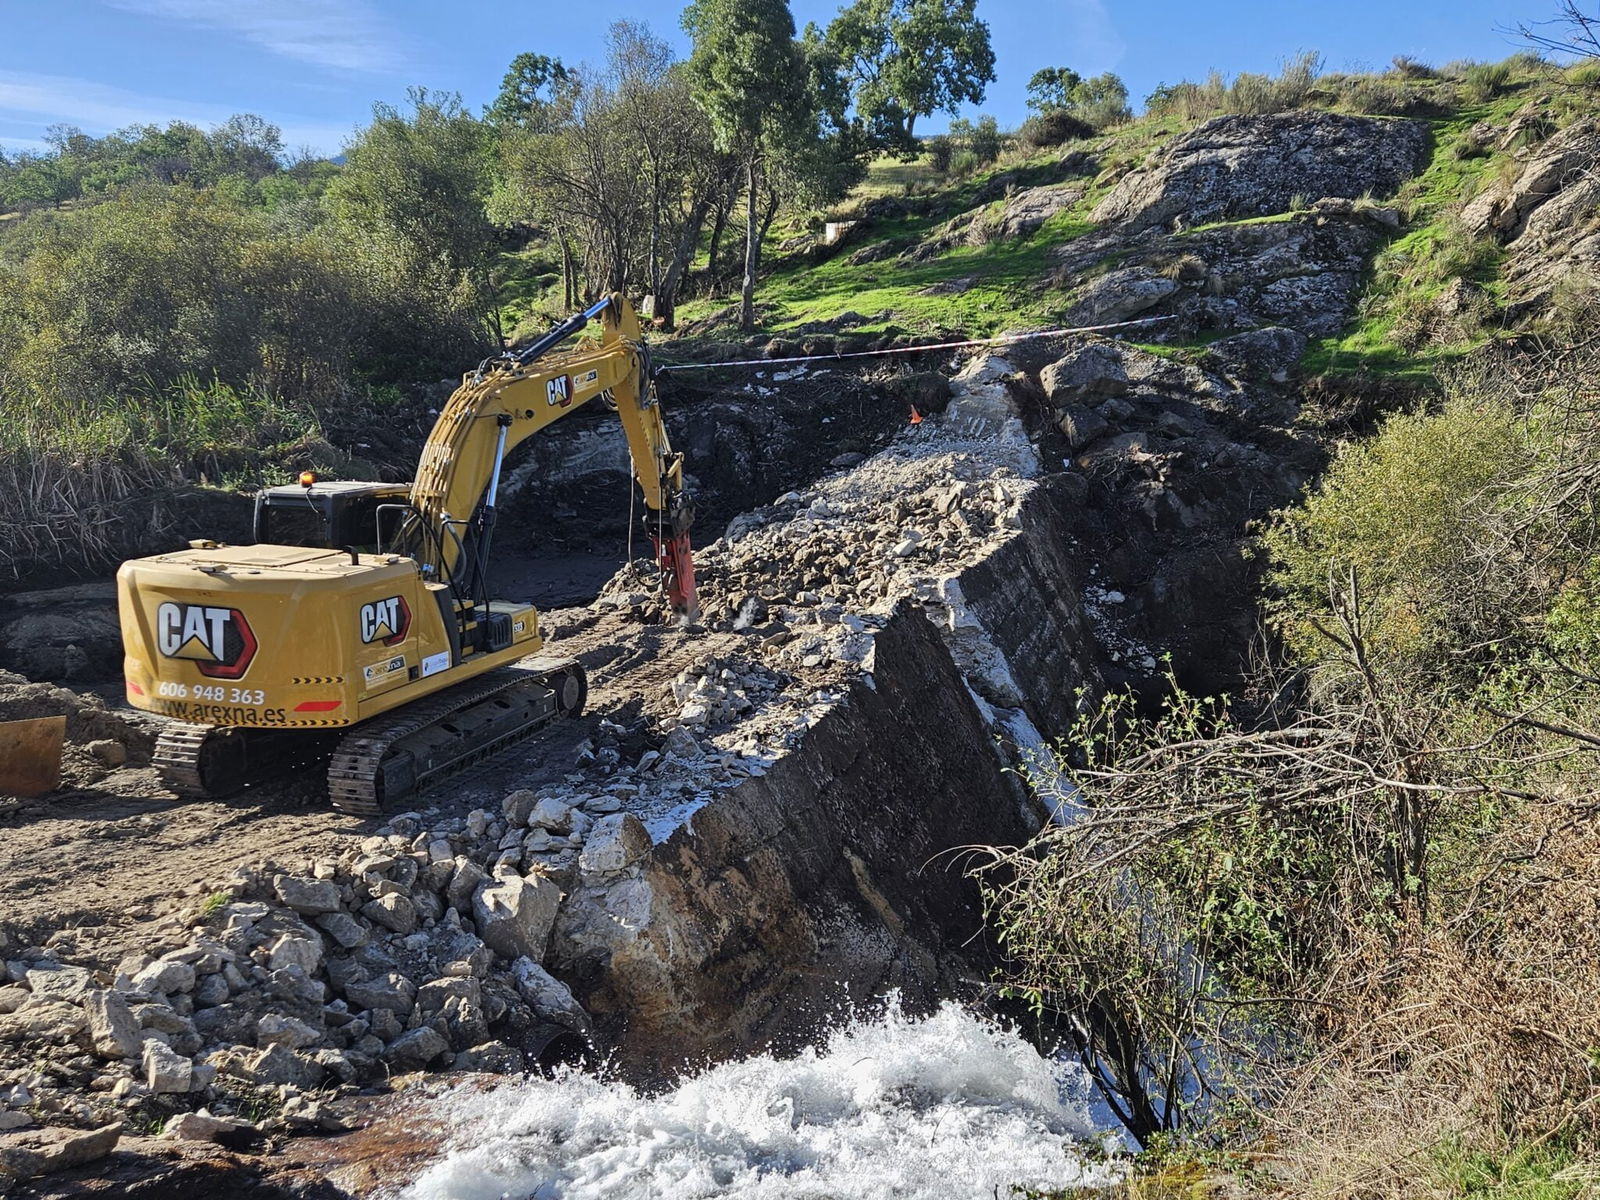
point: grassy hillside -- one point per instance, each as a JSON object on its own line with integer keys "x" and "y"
{"x": 979, "y": 290}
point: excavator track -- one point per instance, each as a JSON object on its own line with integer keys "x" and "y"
{"x": 386, "y": 760}
{"x": 207, "y": 762}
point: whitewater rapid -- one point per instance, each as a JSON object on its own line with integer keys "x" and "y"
{"x": 949, "y": 1106}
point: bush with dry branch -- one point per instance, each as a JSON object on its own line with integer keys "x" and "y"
{"x": 1363, "y": 909}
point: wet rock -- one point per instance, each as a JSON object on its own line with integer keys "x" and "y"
{"x": 548, "y": 996}
{"x": 514, "y": 915}
{"x": 495, "y": 1058}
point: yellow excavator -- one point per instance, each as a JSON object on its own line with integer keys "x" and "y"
{"x": 359, "y": 628}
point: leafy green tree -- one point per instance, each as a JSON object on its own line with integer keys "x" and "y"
{"x": 749, "y": 76}
{"x": 1101, "y": 100}
{"x": 246, "y": 145}
{"x": 1052, "y": 87}
{"x": 415, "y": 185}
{"x": 906, "y": 59}
{"x": 527, "y": 90}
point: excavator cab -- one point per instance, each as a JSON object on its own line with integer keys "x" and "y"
{"x": 330, "y": 515}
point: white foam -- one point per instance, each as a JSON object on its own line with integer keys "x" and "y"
{"x": 949, "y": 1107}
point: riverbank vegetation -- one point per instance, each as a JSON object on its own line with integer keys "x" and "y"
{"x": 1341, "y": 926}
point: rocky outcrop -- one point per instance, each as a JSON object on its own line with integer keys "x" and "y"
{"x": 1544, "y": 215}
{"x": 1019, "y": 215}
{"x": 63, "y": 634}
{"x": 1170, "y": 465}
{"x": 1302, "y": 271}
{"x": 742, "y": 445}
{"x": 1244, "y": 166}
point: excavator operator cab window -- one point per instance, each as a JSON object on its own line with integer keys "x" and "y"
{"x": 294, "y": 516}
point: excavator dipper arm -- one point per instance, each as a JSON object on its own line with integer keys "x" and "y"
{"x": 511, "y": 398}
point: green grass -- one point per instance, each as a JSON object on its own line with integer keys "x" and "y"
{"x": 527, "y": 290}
{"x": 888, "y": 176}
{"x": 1008, "y": 284}
{"x": 1409, "y": 274}
{"x": 1537, "y": 1171}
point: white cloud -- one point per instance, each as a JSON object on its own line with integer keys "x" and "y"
{"x": 34, "y": 101}
{"x": 348, "y": 35}
{"x": 97, "y": 107}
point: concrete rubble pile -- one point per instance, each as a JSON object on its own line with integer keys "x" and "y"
{"x": 405, "y": 953}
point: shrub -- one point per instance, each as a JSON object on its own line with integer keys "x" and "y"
{"x": 1381, "y": 96}
{"x": 1052, "y": 128}
{"x": 1406, "y": 513}
{"x": 939, "y": 150}
{"x": 1485, "y": 81}
{"x": 1248, "y": 94}
{"x": 1409, "y": 68}
{"x": 985, "y": 140}
{"x": 1584, "y": 74}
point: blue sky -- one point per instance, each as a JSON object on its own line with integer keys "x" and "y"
{"x": 314, "y": 67}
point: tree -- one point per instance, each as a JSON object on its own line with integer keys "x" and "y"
{"x": 526, "y": 90}
{"x": 1052, "y": 87}
{"x": 749, "y": 76}
{"x": 415, "y": 186}
{"x": 910, "y": 58}
{"x": 247, "y": 145}
{"x": 1100, "y": 100}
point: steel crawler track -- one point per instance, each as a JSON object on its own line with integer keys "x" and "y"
{"x": 381, "y": 762}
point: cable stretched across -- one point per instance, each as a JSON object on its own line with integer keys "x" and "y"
{"x": 1002, "y": 340}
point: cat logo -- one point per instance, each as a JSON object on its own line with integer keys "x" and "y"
{"x": 217, "y": 640}
{"x": 385, "y": 620}
{"x": 558, "y": 391}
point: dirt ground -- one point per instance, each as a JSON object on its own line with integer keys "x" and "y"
{"x": 100, "y": 859}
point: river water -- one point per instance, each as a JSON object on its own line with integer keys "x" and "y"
{"x": 949, "y": 1106}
